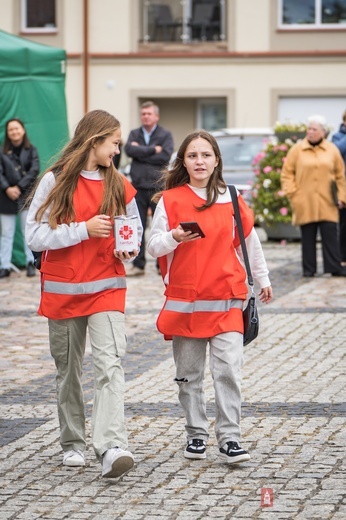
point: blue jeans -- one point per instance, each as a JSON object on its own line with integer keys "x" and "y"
{"x": 8, "y": 229}
{"x": 226, "y": 360}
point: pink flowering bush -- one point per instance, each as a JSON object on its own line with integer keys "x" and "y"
{"x": 268, "y": 201}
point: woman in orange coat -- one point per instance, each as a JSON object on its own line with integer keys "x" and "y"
{"x": 307, "y": 174}
{"x": 71, "y": 219}
{"x": 205, "y": 290}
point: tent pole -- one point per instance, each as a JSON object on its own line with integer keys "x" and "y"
{"x": 86, "y": 55}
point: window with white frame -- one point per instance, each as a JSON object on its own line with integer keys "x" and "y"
{"x": 38, "y": 15}
{"x": 312, "y": 14}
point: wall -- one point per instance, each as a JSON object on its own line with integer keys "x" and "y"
{"x": 260, "y": 63}
{"x": 253, "y": 25}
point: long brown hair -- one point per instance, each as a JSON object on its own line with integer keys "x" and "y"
{"x": 178, "y": 176}
{"x": 93, "y": 128}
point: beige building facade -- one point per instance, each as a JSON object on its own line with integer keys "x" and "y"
{"x": 211, "y": 64}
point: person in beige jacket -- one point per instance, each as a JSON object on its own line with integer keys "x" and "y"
{"x": 306, "y": 178}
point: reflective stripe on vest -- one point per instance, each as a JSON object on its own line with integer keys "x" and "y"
{"x": 202, "y": 306}
{"x": 84, "y": 288}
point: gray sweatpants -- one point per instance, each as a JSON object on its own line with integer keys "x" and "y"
{"x": 226, "y": 360}
{"x": 108, "y": 342}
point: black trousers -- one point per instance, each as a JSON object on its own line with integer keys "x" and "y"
{"x": 330, "y": 247}
{"x": 342, "y": 234}
{"x": 144, "y": 202}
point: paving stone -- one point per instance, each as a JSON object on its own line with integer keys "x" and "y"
{"x": 293, "y": 413}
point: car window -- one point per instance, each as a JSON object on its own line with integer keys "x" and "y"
{"x": 240, "y": 151}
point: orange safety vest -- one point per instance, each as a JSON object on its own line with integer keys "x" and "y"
{"x": 207, "y": 283}
{"x": 86, "y": 278}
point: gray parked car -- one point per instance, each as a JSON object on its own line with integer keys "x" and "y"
{"x": 238, "y": 148}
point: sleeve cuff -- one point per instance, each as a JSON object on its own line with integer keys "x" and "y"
{"x": 82, "y": 231}
{"x": 263, "y": 282}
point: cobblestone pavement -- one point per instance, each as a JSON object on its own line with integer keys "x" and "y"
{"x": 293, "y": 413}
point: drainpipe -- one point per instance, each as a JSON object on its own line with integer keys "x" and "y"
{"x": 86, "y": 54}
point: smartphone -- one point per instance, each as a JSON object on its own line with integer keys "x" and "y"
{"x": 192, "y": 226}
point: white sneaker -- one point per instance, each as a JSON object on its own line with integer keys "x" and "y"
{"x": 116, "y": 462}
{"x": 73, "y": 458}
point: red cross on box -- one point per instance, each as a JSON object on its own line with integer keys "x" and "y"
{"x": 126, "y": 232}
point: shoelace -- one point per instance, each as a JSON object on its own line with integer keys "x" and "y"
{"x": 197, "y": 443}
{"x": 232, "y": 446}
{"x": 72, "y": 453}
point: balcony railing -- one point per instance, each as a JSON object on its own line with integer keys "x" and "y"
{"x": 183, "y": 21}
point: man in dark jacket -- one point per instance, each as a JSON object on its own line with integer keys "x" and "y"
{"x": 150, "y": 148}
{"x": 339, "y": 139}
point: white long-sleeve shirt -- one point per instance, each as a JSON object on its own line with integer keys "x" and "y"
{"x": 161, "y": 241}
{"x": 41, "y": 237}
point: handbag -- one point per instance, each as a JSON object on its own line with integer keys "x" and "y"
{"x": 37, "y": 259}
{"x": 334, "y": 190}
{"x": 250, "y": 314}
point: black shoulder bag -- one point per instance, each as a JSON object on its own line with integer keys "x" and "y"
{"x": 250, "y": 314}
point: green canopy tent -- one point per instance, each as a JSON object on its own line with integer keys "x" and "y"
{"x": 32, "y": 87}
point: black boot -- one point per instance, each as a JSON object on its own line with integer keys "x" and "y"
{"x": 4, "y": 273}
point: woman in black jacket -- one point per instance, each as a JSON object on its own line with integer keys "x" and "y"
{"x": 19, "y": 167}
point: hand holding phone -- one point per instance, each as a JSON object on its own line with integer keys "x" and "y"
{"x": 193, "y": 227}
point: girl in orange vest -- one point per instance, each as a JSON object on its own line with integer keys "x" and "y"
{"x": 71, "y": 220}
{"x": 205, "y": 290}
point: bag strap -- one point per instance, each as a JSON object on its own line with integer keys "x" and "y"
{"x": 241, "y": 234}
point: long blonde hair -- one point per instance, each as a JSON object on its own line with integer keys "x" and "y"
{"x": 93, "y": 128}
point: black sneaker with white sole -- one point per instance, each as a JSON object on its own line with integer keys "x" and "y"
{"x": 232, "y": 453}
{"x": 195, "y": 449}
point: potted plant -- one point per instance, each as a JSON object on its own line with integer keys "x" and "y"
{"x": 271, "y": 207}
{"x": 289, "y": 130}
